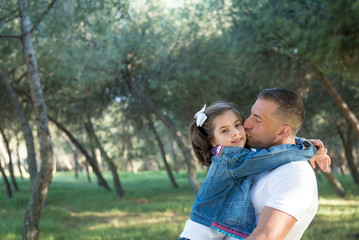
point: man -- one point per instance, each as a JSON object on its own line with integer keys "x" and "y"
{"x": 286, "y": 198}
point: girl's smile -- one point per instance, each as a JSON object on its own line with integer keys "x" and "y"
{"x": 237, "y": 140}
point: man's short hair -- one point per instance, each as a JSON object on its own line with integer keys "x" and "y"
{"x": 290, "y": 109}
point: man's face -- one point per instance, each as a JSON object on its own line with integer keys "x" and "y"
{"x": 261, "y": 127}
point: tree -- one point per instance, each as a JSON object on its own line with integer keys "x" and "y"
{"x": 163, "y": 153}
{"x": 101, "y": 180}
{"x": 191, "y": 169}
{"x": 343, "y": 106}
{"x": 11, "y": 167}
{"x": 26, "y": 129}
{"x": 169, "y": 72}
{"x": 6, "y": 181}
{"x": 348, "y": 150}
{"x": 288, "y": 36}
{"x": 116, "y": 180}
{"x": 43, "y": 179}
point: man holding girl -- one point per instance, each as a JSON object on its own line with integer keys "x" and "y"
{"x": 284, "y": 195}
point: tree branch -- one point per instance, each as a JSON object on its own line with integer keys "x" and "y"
{"x": 10, "y": 17}
{"x": 51, "y": 5}
{"x": 9, "y": 36}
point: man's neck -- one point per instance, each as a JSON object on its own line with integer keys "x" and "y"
{"x": 288, "y": 140}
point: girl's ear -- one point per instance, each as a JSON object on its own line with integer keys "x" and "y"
{"x": 213, "y": 143}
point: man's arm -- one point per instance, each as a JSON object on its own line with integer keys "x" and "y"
{"x": 272, "y": 225}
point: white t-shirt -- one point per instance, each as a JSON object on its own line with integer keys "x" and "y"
{"x": 196, "y": 231}
{"x": 291, "y": 188}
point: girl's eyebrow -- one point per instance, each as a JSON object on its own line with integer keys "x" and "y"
{"x": 222, "y": 127}
{"x": 227, "y": 126}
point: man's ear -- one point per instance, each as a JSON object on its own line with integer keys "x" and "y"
{"x": 284, "y": 132}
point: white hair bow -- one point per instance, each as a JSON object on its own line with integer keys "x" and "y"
{"x": 200, "y": 117}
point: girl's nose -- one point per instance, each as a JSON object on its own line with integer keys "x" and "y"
{"x": 236, "y": 133}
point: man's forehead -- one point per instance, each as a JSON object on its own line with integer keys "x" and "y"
{"x": 263, "y": 107}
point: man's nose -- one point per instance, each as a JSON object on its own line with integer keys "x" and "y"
{"x": 247, "y": 123}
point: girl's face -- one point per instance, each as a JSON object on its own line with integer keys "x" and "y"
{"x": 228, "y": 130}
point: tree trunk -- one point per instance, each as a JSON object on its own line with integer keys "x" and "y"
{"x": 348, "y": 114}
{"x": 75, "y": 153}
{"x": 336, "y": 185}
{"x": 87, "y": 171}
{"x": 116, "y": 180}
{"x": 171, "y": 126}
{"x": 92, "y": 146}
{"x": 101, "y": 181}
{"x": 76, "y": 160}
{"x": 25, "y": 126}
{"x": 340, "y": 161}
{"x": 11, "y": 166}
{"x": 174, "y": 157}
{"x": 43, "y": 179}
{"x": 7, "y": 184}
{"x": 186, "y": 151}
{"x": 163, "y": 153}
{"x": 348, "y": 150}
{"x": 19, "y": 162}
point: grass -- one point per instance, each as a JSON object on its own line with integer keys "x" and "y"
{"x": 151, "y": 209}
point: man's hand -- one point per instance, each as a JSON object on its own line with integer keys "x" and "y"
{"x": 322, "y": 158}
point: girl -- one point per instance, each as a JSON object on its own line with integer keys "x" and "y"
{"x": 223, "y": 208}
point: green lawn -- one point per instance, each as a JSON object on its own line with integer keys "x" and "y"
{"x": 151, "y": 209}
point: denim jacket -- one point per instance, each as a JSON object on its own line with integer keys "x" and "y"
{"x": 224, "y": 201}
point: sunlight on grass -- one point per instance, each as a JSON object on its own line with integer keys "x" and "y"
{"x": 11, "y": 236}
{"x": 337, "y": 208}
{"x": 336, "y": 219}
{"x": 124, "y": 220}
{"x": 337, "y": 202}
{"x": 127, "y": 225}
{"x": 151, "y": 209}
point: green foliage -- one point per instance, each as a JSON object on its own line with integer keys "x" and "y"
{"x": 181, "y": 55}
{"x": 151, "y": 209}
{"x": 280, "y": 42}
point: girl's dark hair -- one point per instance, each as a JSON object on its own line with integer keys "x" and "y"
{"x": 201, "y": 136}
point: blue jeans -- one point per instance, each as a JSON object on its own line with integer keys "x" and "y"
{"x": 183, "y": 238}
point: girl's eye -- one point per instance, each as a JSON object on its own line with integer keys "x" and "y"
{"x": 238, "y": 125}
{"x": 224, "y": 131}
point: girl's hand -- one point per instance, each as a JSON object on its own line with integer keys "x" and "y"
{"x": 323, "y": 161}
{"x": 322, "y": 158}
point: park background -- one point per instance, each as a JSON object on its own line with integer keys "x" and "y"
{"x": 97, "y": 96}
